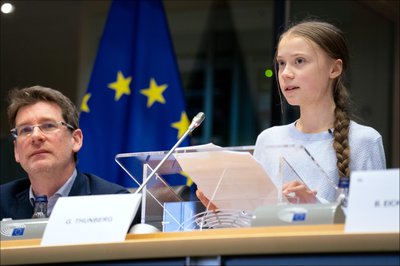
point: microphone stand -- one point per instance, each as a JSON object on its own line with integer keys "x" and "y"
{"x": 197, "y": 120}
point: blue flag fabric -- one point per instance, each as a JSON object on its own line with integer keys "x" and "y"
{"x": 134, "y": 101}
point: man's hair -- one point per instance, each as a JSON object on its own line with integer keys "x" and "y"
{"x": 19, "y": 98}
{"x": 27, "y": 96}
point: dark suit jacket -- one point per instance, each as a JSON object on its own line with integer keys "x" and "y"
{"x": 14, "y": 196}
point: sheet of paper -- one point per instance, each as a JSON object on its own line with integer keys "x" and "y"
{"x": 91, "y": 219}
{"x": 202, "y": 147}
{"x": 231, "y": 180}
{"x": 373, "y": 204}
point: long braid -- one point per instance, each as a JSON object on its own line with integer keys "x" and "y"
{"x": 341, "y": 129}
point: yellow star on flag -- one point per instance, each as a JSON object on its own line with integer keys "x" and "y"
{"x": 181, "y": 125}
{"x": 154, "y": 93}
{"x": 84, "y": 105}
{"x": 189, "y": 181}
{"x": 121, "y": 86}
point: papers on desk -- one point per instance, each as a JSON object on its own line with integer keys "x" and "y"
{"x": 230, "y": 179}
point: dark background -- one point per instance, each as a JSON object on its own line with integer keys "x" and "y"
{"x": 223, "y": 49}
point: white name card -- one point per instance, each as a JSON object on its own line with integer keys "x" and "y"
{"x": 91, "y": 219}
{"x": 373, "y": 204}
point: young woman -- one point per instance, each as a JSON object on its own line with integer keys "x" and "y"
{"x": 311, "y": 60}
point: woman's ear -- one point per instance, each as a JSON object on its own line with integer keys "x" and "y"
{"x": 337, "y": 68}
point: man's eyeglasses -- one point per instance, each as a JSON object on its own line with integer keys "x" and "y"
{"x": 46, "y": 127}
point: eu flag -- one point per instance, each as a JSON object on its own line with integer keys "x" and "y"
{"x": 134, "y": 101}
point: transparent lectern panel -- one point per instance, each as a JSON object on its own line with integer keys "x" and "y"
{"x": 155, "y": 194}
{"x": 133, "y": 164}
{"x": 287, "y": 163}
{"x": 230, "y": 178}
{"x": 193, "y": 215}
{"x": 157, "y": 191}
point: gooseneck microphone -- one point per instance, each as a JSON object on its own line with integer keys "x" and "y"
{"x": 196, "y": 121}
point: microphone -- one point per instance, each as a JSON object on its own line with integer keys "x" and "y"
{"x": 196, "y": 121}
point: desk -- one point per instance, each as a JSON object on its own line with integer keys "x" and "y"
{"x": 227, "y": 243}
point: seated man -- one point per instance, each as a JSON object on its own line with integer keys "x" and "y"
{"x": 47, "y": 139}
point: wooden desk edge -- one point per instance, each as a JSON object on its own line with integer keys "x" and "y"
{"x": 241, "y": 241}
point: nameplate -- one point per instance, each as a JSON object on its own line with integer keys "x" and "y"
{"x": 373, "y": 204}
{"x": 91, "y": 219}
